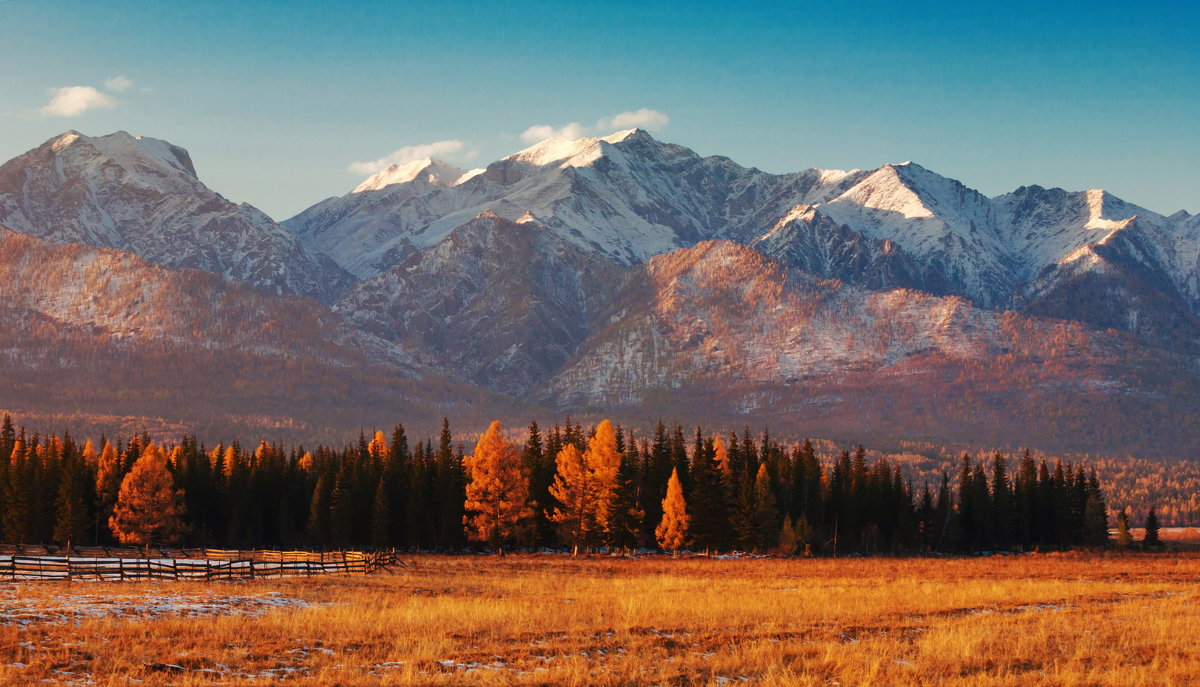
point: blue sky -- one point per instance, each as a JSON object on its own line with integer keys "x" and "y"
{"x": 277, "y": 100}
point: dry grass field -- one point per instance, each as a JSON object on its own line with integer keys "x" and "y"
{"x": 550, "y": 620}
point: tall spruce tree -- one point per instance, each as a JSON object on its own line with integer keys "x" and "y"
{"x": 624, "y": 520}
{"x": 1151, "y": 538}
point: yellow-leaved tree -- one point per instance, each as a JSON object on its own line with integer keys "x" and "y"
{"x": 498, "y": 490}
{"x": 721, "y": 457}
{"x": 149, "y": 508}
{"x": 604, "y": 461}
{"x": 672, "y": 531}
{"x": 575, "y": 489}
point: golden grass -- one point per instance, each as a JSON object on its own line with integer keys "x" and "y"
{"x": 548, "y": 620}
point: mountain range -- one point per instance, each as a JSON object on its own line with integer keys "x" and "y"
{"x": 617, "y": 275}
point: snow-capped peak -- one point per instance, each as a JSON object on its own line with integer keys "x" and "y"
{"x": 128, "y": 151}
{"x": 580, "y": 151}
{"x": 431, "y": 171}
{"x": 468, "y": 175}
{"x": 627, "y": 134}
{"x": 63, "y": 140}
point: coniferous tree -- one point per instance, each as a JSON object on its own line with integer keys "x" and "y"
{"x": 450, "y": 480}
{"x": 1003, "y": 509}
{"x": 1124, "y": 538}
{"x": 943, "y": 512}
{"x": 575, "y": 490}
{"x": 656, "y": 471}
{"x": 18, "y": 517}
{"x": 497, "y": 493}
{"x": 624, "y": 521}
{"x": 1025, "y": 501}
{"x": 72, "y": 519}
{"x": 708, "y": 523}
{"x": 1151, "y": 538}
{"x": 1095, "y": 514}
{"x": 672, "y": 531}
{"x": 604, "y": 461}
{"x": 381, "y": 516}
{"x": 679, "y": 458}
{"x": 540, "y": 467}
{"x": 766, "y": 516}
{"x": 149, "y": 508}
{"x": 738, "y": 512}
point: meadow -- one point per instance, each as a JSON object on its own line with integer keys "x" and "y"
{"x": 526, "y": 619}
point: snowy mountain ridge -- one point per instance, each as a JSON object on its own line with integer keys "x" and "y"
{"x": 142, "y": 195}
{"x": 607, "y": 274}
{"x": 629, "y": 197}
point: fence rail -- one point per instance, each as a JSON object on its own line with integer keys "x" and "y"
{"x": 187, "y": 564}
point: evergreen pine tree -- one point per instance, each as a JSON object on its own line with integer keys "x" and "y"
{"x": 18, "y": 516}
{"x": 72, "y": 519}
{"x": 656, "y": 470}
{"x": 624, "y": 521}
{"x": 708, "y": 518}
{"x": 1003, "y": 521}
{"x": 381, "y": 516}
{"x": 766, "y": 515}
{"x": 1095, "y": 514}
{"x": 1151, "y": 538}
{"x": 540, "y": 468}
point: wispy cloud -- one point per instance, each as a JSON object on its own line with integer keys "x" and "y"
{"x": 411, "y": 154}
{"x": 644, "y": 118}
{"x": 71, "y": 101}
{"x": 118, "y": 83}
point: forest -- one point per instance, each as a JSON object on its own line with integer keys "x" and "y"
{"x": 562, "y": 487}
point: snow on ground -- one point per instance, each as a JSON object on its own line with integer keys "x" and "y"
{"x": 76, "y": 608}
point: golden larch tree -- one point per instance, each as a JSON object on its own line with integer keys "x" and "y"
{"x": 378, "y": 448}
{"x": 149, "y": 508}
{"x": 108, "y": 471}
{"x": 575, "y": 489}
{"x": 498, "y": 490}
{"x": 89, "y": 454}
{"x": 604, "y": 461}
{"x": 672, "y": 531}
{"x": 721, "y": 457}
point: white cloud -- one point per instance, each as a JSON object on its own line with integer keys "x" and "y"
{"x": 540, "y": 132}
{"x": 75, "y": 100}
{"x": 411, "y": 154}
{"x": 644, "y": 118}
{"x": 118, "y": 83}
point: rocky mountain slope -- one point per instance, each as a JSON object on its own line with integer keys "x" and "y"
{"x": 616, "y": 275}
{"x": 100, "y": 337}
{"x": 628, "y": 197}
{"x": 142, "y": 195}
{"x": 497, "y": 303}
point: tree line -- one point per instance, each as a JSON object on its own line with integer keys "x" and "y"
{"x": 563, "y": 487}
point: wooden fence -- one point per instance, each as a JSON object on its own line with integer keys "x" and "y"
{"x": 194, "y": 564}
